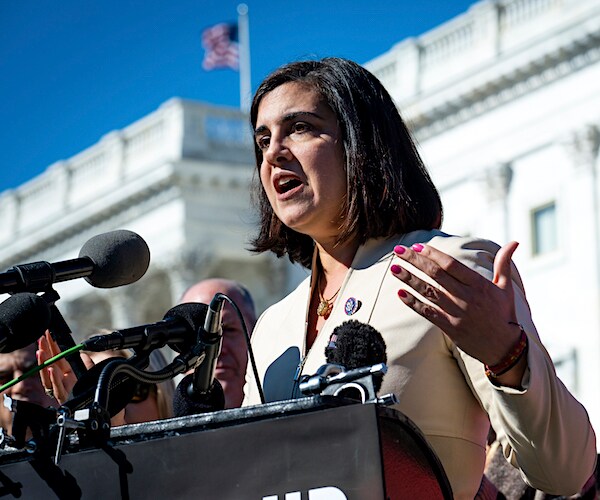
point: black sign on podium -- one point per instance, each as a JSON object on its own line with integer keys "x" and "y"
{"x": 317, "y": 448}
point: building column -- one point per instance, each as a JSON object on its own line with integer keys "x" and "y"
{"x": 115, "y": 149}
{"x": 124, "y": 308}
{"x": 498, "y": 180}
{"x": 583, "y": 147}
{"x": 408, "y": 68}
{"x": 187, "y": 268}
{"x": 486, "y": 18}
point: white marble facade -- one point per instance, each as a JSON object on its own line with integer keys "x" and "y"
{"x": 178, "y": 177}
{"x": 504, "y": 101}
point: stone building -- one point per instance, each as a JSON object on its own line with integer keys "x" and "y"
{"x": 504, "y": 101}
{"x": 178, "y": 177}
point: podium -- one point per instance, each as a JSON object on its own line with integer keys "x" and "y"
{"x": 317, "y": 448}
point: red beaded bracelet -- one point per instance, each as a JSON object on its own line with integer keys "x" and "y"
{"x": 512, "y": 358}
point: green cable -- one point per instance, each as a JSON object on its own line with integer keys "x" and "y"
{"x": 38, "y": 368}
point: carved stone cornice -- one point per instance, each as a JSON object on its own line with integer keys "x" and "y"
{"x": 116, "y": 209}
{"x": 72, "y": 234}
{"x": 523, "y": 79}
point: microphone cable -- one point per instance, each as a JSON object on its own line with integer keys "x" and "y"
{"x": 250, "y": 352}
{"x": 39, "y": 368}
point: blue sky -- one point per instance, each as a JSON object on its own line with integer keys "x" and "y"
{"x": 72, "y": 71}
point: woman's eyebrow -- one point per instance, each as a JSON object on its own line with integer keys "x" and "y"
{"x": 288, "y": 118}
{"x": 259, "y": 130}
{"x": 295, "y": 114}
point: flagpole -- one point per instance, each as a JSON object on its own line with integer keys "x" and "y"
{"x": 244, "y": 47}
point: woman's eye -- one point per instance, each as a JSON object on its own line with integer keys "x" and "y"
{"x": 262, "y": 142}
{"x": 300, "y": 127}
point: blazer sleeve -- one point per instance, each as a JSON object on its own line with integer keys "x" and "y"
{"x": 544, "y": 431}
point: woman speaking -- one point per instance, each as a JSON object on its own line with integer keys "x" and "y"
{"x": 344, "y": 193}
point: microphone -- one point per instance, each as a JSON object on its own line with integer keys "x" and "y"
{"x": 357, "y": 345}
{"x": 200, "y": 392}
{"x": 186, "y": 401}
{"x": 24, "y": 318}
{"x": 178, "y": 329}
{"x": 107, "y": 260}
{"x": 212, "y": 338}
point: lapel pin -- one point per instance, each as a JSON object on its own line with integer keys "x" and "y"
{"x": 352, "y": 305}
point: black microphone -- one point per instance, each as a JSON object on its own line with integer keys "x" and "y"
{"x": 200, "y": 392}
{"x": 24, "y": 318}
{"x": 107, "y": 260}
{"x": 212, "y": 338}
{"x": 357, "y": 345}
{"x": 179, "y": 329}
{"x": 186, "y": 401}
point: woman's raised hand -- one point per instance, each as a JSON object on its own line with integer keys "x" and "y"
{"x": 477, "y": 314}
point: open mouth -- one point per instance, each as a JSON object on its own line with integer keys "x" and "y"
{"x": 286, "y": 184}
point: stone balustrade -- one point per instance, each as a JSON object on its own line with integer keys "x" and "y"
{"x": 471, "y": 40}
{"x": 119, "y": 163}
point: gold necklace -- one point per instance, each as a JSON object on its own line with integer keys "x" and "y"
{"x": 325, "y": 305}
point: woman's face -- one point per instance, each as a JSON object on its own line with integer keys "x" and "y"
{"x": 302, "y": 170}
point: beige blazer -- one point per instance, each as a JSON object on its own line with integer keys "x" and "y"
{"x": 543, "y": 429}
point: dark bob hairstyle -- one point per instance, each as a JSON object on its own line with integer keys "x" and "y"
{"x": 389, "y": 190}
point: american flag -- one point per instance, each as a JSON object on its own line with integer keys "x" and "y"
{"x": 221, "y": 47}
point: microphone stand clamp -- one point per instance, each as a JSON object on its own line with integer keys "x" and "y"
{"x": 357, "y": 384}
{"x": 93, "y": 425}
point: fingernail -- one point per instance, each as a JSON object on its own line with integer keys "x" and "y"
{"x": 396, "y": 269}
{"x": 417, "y": 247}
{"x": 399, "y": 249}
{"x": 402, "y": 294}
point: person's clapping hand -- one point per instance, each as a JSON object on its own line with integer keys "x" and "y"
{"x": 477, "y": 314}
{"x": 57, "y": 379}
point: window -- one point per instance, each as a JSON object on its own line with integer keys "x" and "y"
{"x": 545, "y": 238}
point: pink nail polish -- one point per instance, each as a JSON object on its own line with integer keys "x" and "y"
{"x": 402, "y": 294}
{"x": 417, "y": 247}
{"x": 396, "y": 269}
{"x": 399, "y": 249}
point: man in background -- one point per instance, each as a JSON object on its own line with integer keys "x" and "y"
{"x": 13, "y": 365}
{"x": 231, "y": 365}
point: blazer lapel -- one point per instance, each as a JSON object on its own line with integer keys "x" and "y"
{"x": 362, "y": 284}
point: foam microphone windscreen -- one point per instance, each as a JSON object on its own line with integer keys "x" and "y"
{"x": 120, "y": 257}
{"x": 24, "y": 318}
{"x": 354, "y": 345}
{"x": 186, "y": 402}
{"x": 192, "y": 314}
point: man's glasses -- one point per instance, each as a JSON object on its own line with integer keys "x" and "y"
{"x": 142, "y": 391}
